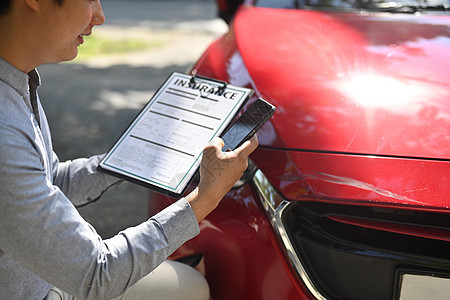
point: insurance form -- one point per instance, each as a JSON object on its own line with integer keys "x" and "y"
{"x": 162, "y": 148}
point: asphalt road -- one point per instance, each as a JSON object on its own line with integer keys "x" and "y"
{"x": 90, "y": 104}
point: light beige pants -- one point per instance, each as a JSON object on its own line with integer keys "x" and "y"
{"x": 171, "y": 280}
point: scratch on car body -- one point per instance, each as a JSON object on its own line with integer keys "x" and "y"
{"x": 358, "y": 184}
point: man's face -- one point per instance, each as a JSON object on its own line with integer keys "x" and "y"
{"x": 65, "y": 26}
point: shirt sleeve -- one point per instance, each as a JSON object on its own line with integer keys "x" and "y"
{"x": 79, "y": 179}
{"x": 41, "y": 229}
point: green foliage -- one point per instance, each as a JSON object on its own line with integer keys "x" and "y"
{"x": 97, "y": 45}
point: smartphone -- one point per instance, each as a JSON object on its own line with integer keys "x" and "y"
{"x": 256, "y": 115}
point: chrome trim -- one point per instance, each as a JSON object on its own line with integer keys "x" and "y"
{"x": 279, "y": 226}
{"x": 269, "y": 197}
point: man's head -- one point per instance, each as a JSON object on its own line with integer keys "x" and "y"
{"x": 37, "y": 32}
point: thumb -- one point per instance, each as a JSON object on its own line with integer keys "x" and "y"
{"x": 216, "y": 142}
{"x": 248, "y": 146}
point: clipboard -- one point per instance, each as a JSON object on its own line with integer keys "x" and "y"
{"x": 162, "y": 148}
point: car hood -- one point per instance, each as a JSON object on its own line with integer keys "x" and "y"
{"x": 351, "y": 83}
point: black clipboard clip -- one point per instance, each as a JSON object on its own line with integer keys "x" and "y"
{"x": 223, "y": 84}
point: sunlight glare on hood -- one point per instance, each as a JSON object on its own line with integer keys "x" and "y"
{"x": 384, "y": 92}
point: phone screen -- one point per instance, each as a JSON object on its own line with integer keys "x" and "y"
{"x": 248, "y": 123}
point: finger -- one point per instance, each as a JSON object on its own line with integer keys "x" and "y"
{"x": 212, "y": 151}
{"x": 215, "y": 145}
{"x": 216, "y": 142}
{"x": 248, "y": 146}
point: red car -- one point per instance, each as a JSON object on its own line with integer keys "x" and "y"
{"x": 348, "y": 194}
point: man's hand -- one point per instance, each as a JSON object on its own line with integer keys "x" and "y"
{"x": 218, "y": 173}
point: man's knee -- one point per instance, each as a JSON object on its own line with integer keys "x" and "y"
{"x": 171, "y": 280}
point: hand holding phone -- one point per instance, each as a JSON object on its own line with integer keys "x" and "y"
{"x": 256, "y": 115}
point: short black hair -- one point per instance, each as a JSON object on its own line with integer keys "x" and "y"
{"x": 5, "y": 5}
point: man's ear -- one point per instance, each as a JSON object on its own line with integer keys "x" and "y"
{"x": 33, "y": 4}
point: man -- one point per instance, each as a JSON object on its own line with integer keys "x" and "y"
{"x": 45, "y": 245}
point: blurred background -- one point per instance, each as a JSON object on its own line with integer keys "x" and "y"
{"x": 90, "y": 101}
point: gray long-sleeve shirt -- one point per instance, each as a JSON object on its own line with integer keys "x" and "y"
{"x": 43, "y": 239}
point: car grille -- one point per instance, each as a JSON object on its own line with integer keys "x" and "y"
{"x": 359, "y": 252}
